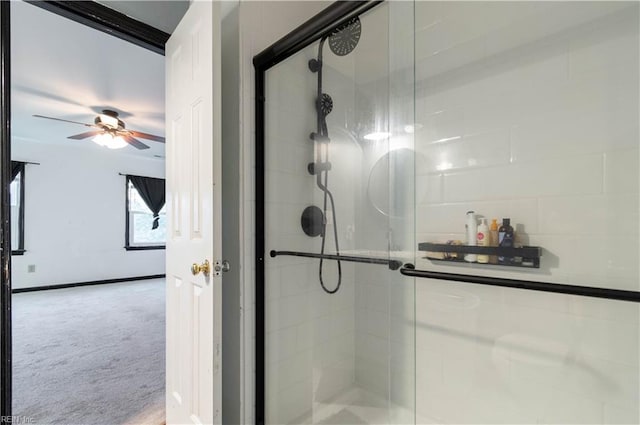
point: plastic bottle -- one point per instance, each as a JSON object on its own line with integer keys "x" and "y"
{"x": 472, "y": 230}
{"x": 493, "y": 231}
{"x": 483, "y": 239}
{"x": 505, "y": 238}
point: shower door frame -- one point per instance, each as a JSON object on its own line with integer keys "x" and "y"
{"x": 306, "y": 34}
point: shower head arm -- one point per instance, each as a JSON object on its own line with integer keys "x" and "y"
{"x": 319, "y": 117}
{"x": 315, "y": 64}
{"x": 321, "y": 46}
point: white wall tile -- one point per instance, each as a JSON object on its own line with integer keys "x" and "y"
{"x": 449, "y": 58}
{"x": 569, "y": 408}
{"x": 429, "y": 188}
{"x": 609, "y": 341}
{"x": 579, "y": 130}
{"x": 616, "y": 47}
{"x": 621, "y": 171}
{"x": 588, "y": 376}
{"x": 592, "y": 214}
{"x": 281, "y": 344}
{"x": 435, "y": 218}
{"x": 467, "y": 151}
{"x": 294, "y": 280}
{"x": 606, "y": 260}
{"x": 603, "y": 309}
{"x": 617, "y": 414}
{"x": 372, "y": 375}
{"x": 294, "y": 402}
{"x": 441, "y": 125}
{"x": 579, "y": 175}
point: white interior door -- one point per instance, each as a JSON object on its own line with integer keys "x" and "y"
{"x": 194, "y": 379}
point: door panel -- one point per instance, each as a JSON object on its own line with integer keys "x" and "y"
{"x": 193, "y": 195}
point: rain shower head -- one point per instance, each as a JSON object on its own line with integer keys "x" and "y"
{"x": 345, "y": 38}
{"x": 342, "y": 41}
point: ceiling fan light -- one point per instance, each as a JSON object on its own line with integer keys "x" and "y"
{"x": 109, "y": 121}
{"x": 110, "y": 141}
{"x": 103, "y": 139}
{"x": 117, "y": 142}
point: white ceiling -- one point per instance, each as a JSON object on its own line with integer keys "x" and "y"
{"x": 163, "y": 15}
{"x": 67, "y": 70}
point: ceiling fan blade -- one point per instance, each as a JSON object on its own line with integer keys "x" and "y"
{"x": 135, "y": 142}
{"x": 59, "y": 119}
{"x": 85, "y": 135}
{"x": 146, "y": 136}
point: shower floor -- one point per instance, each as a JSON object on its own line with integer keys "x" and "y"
{"x": 357, "y": 406}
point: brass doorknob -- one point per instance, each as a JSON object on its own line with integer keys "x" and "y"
{"x": 205, "y": 268}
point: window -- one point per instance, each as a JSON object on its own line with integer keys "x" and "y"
{"x": 16, "y": 190}
{"x": 140, "y": 231}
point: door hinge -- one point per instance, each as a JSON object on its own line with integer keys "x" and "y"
{"x": 216, "y": 359}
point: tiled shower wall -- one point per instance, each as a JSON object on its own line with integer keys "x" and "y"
{"x": 529, "y": 110}
{"x": 310, "y": 334}
{"x": 384, "y": 300}
{"x": 486, "y": 355}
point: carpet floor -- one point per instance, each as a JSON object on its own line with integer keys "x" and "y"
{"x": 90, "y": 355}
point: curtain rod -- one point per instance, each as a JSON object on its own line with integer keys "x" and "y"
{"x": 135, "y": 175}
{"x": 29, "y": 162}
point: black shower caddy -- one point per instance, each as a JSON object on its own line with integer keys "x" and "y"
{"x": 525, "y": 256}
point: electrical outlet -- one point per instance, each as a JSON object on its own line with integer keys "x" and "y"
{"x": 31, "y": 268}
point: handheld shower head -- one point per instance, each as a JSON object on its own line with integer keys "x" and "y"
{"x": 345, "y": 38}
{"x": 325, "y": 104}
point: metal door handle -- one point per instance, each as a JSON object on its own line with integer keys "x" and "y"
{"x": 205, "y": 268}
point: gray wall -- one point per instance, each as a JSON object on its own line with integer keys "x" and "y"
{"x": 231, "y": 235}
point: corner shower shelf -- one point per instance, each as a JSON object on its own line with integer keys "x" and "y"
{"x": 526, "y": 256}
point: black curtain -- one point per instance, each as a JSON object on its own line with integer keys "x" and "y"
{"x": 151, "y": 191}
{"x": 17, "y": 167}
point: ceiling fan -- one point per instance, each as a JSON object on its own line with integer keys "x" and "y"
{"x": 110, "y": 131}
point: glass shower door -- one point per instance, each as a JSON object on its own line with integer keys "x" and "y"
{"x": 339, "y": 318}
{"x": 528, "y": 111}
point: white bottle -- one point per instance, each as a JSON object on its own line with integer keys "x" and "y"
{"x": 483, "y": 239}
{"x": 472, "y": 231}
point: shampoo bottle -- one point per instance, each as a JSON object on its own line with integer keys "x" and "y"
{"x": 472, "y": 230}
{"x": 493, "y": 231}
{"x": 505, "y": 238}
{"x": 483, "y": 239}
